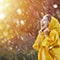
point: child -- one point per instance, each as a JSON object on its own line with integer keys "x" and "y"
{"x": 47, "y": 43}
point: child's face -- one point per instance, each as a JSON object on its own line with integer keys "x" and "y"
{"x": 44, "y": 23}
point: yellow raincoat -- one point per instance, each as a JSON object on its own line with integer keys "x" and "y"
{"x": 49, "y": 47}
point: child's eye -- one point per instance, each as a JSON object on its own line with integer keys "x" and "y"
{"x": 44, "y": 22}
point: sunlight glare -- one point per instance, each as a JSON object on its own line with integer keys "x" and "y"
{"x": 2, "y": 16}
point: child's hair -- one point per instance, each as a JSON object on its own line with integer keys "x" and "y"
{"x": 48, "y": 16}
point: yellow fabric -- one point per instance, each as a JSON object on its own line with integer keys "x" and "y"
{"x": 49, "y": 47}
{"x": 54, "y": 24}
{"x": 38, "y": 39}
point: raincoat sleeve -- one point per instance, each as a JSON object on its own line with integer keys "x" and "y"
{"x": 54, "y": 38}
{"x": 36, "y": 45}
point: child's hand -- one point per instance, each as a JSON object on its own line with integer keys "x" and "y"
{"x": 46, "y": 31}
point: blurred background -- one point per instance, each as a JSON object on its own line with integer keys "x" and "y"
{"x": 19, "y": 26}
